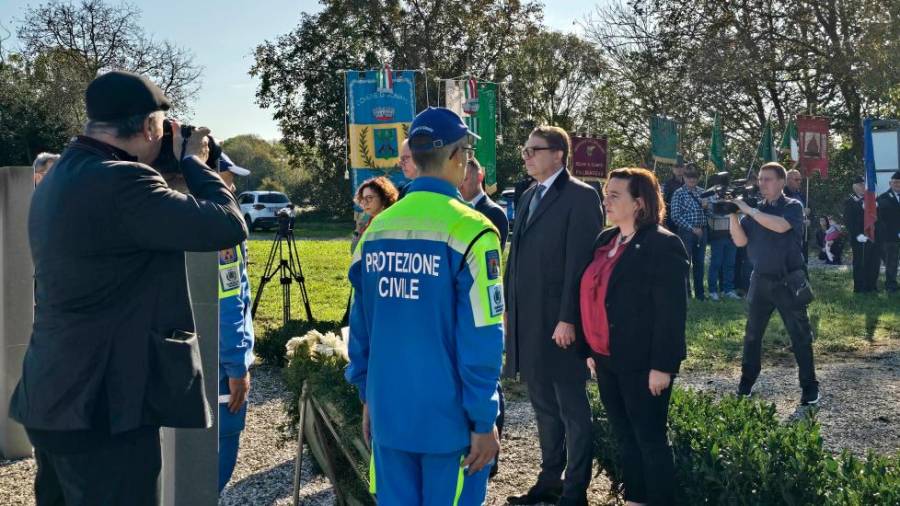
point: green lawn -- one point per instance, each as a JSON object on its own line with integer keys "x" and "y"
{"x": 842, "y": 322}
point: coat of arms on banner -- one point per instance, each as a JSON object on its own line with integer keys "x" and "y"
{"x": 476, "y": 104}
{"x": 386, "y": 146}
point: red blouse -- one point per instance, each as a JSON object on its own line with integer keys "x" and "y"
{"x": 594, "y": 284}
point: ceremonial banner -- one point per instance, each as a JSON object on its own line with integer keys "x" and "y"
{"x": 789, "y": 143}
{"x": 664, "y": 140}
{"x": 476, "y": 104}
{"x": 767, "y": 151}
{"x": 590, "y": 158}
{"x": 382, "y": 105}
{"x": 717, "y": 145}
{"x": 870, "y": 213}
{"x": 813, "y": 143}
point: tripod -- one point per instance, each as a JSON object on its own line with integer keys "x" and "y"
{"x": 289, "y": 268}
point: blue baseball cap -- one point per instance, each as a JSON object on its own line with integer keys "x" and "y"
{"x": 436, "y": 127}
{"x": 226, "y": 165}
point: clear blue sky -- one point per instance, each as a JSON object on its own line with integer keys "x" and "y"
{"x": 222, "y": 36}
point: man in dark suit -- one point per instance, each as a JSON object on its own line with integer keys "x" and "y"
{"x": 112, "y": 310}
{"x": 865, "y": 252}
{"x": 887, "y": 233}
{"x": 472, "y": 190}
{"x": 556, "y": 224}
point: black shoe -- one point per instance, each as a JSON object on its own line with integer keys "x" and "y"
{"x": 568, "y": 501}
{"x": 745, "y": 388}
{"x": 536, "y": 495}
{"x": 810, "y": 396}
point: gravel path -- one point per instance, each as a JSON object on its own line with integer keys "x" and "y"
{"x": 859, "y": 410}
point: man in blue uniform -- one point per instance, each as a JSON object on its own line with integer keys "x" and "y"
{"x": 235, "y": 341}
{"x": 426, "y": 335}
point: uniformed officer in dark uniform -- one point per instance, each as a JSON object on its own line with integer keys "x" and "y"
{"x": 887, "y": 233}
{"x": 866, "y": 259}
{"x": 773, "y": 236}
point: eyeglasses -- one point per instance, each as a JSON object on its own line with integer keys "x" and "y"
{"x": 367, "y": 198}
{"x": 470, "y": 152}
{"x": 404, "y": 159}
{"x": 528, "y": 152}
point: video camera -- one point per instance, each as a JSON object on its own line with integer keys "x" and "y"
{"x": 726, "y": 190}
{"x": 166, "y": 161}
{"x": 285, "y": 218}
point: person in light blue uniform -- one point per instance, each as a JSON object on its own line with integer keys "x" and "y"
{"x": 426, "y": 332}
{"x": 235, "y": 341}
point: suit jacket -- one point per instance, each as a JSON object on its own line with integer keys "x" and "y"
{"x": 495, "y": 213}
{"x": 646, "y": 301}
{"x": 108, "y": 238}
{"x": 853, "y": 217}
{"x": 888, "y": 225}
{"x": 548, "y": 254}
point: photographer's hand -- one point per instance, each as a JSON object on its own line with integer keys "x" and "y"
{"x": 197, "y": 144}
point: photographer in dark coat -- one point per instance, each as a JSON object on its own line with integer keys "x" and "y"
{"x": 111, "y": 353}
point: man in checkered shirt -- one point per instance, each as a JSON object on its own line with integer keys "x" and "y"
{"x": 690, "y": 217}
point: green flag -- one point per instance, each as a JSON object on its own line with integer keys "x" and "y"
{"x": 717, "y": 145}
{"x": 767, "y": 151}
{"x": 789, "y": 142}
{"x": 664, "y": 139}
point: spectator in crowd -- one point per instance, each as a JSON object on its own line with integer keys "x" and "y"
{"x": 633, "y": 305}
{"x": 829, "y": 238}
{"x": 556, "y": 224}
{"x": 42, "y": 165}
{"x": 721, "y": 275}
{"x": 236, "y": 339}
{"x": 794, "y": 190}
{"x": 771, "y": 233}
{"x": 472, "y": 190}
{"x": 112, "y": 355}
{"x": 672, "y": 184}
{"x": 866, "y": 257}
{"x": 373, "y": 196}
{"x": 689, "y": 215}
{"x": 887, "y": 235}
{"x": 408, "y": 167}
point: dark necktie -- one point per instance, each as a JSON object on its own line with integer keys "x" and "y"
{"x": 535, "y": 202}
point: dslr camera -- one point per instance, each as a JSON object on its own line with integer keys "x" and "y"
{"x": 167, "y": 162}
{"x": 726, "y": 190}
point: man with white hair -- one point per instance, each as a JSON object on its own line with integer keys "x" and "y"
{"x": 42, "y": 165}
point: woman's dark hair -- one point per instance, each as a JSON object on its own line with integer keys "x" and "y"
{"x": 827, "y": 221}
{"x": 381, "y": 185}
{"x": 642, "y": 184}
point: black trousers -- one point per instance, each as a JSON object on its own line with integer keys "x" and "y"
{"x": 639, "y": 422}
{"x": 767, "y": 294}
{"x": 118, "y": 472}
{"x": 866, "y": 262}
{"x": 563, "y": 417}
{"x": 889, "y": 255}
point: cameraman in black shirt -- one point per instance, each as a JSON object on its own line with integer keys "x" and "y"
{"x": 773, "y": 236}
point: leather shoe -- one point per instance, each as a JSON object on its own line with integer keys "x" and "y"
{"x": 537, "y": 495}
{"x": 568, "y": 501}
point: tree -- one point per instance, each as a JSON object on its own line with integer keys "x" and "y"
{"x": 300, "y": 75}
{"x": 68, "y": 44}
{"x": 28, "y": 125}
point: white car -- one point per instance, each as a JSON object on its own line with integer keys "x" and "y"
{"x": 260, "y": 208}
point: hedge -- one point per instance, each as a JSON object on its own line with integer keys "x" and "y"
{"x": 737, "y": 452}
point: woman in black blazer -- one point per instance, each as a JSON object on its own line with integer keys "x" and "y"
{"x": 633, "y": 308}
